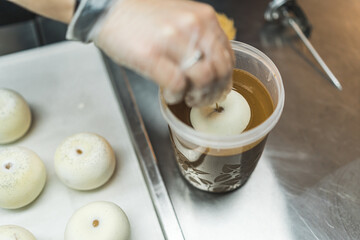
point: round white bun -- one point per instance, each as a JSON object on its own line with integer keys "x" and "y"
{"x": 232, "y": 119}
{"x": 15, "y": 116}
{"x": 12, "y": 232}
{"x": 22, "y": 177}
{"x": 98, "y": 220}
{"x": 84, "y": 161}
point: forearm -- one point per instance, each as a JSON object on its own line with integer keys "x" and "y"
{"x": 60, "y": 10}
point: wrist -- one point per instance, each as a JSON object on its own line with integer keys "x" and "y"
{"x": 88, "y": 19}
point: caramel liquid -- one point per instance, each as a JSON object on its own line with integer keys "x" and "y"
{"x": 223, "y": 170}
{"x": 255, "y": 93}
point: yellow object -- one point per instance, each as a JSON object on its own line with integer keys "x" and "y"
{"x": 227, "y": 25}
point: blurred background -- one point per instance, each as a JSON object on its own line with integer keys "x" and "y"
{"x": 21, "y": 29}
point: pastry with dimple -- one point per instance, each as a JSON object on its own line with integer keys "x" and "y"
{"x": 12, "y": 232}
{"x": 227, "y": 117}
{"x": 84, "y": 161}
{"x": 22, "y": 177}
{"x": 15, "y": 116}
{"x": 98, "y": 220}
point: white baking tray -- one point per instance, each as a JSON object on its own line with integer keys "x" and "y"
{"x": 68, "y": 90}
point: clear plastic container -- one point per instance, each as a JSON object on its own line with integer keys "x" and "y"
{"x": 224, "y": 163}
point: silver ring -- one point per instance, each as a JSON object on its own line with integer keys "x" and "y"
{"x": 188, "y": 63}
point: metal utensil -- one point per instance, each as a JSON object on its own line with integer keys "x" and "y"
{"x": 288, "y": 13}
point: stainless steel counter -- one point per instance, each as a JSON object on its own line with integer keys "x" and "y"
{"x": 306, "y": 183}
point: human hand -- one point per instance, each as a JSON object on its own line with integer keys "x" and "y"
{"x": 160, "y": 40}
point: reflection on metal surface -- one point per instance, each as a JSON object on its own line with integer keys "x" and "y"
{"x": 329, "y": 209}
{"x": 17, "y": 37}
{"x": 337, "y": 201}
{"x": 147, "y": 159}
{"x": 30, "y": 34}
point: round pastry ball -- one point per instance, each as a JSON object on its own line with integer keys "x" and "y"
{"x": 22, "y": 177}
{"x": 231, "y": 118}
{"x": 98, "y": 220}
{"x": 12, "y": 232}
{"x": 84, "y": 161}
{"x": 15, "y": 116}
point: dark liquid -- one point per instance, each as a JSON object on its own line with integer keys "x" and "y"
{"x": 224, "y": 170}
{"x": 253, "y": 91}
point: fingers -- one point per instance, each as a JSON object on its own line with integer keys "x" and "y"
{"x": 211, "y": 78}
{"x": 178, "y": 44}
{"x": 172, "y": 97}
{"x": 207, "y": 95}
{"x": 198, "y": 30}
{"x": 167, "y": 74}
{"x": 201, "y": 73}
{"x": 156, "y": 37}
{"x": 215, "y": 64}
{"x": 218, "y": 50}
{"x": 221, "y": 62}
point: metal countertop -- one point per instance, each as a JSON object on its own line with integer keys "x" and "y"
{"x": 306, "y": 183}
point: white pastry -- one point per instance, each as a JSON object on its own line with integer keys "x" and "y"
{"x": 15, "y": 116}
{"x": 231, "y": 118}
{"x": 84, "y": 161}
{"x": 12, "y": 232}
{"x": 98, "y": 220}
{"x": 22, "y": 177}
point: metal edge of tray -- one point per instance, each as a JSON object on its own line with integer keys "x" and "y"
{"x": 163, "y": 207}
